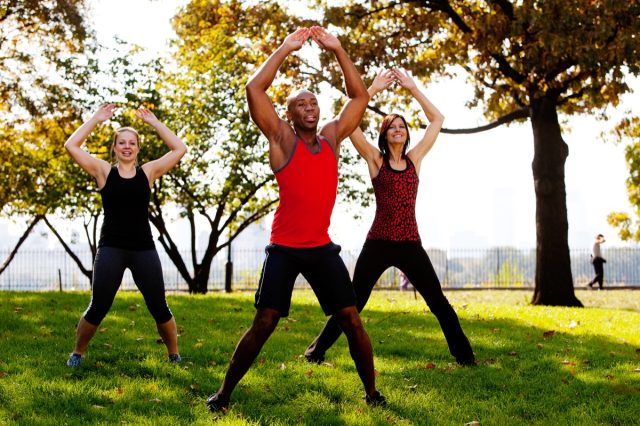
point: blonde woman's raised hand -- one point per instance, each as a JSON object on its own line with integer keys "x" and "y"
{"x": 324, "y": 39}
{"x": 104, "y": 112}
{"x": 147, "y": 116}
{"x": 404, "y": 79}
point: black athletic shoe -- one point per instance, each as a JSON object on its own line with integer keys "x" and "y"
{"x": 466, "y": 362}
{"x": 217, "y": 403}
{"x": 376, "y": 399}
{"x": 314, "y": 358}
{"x": 175, "y": 359}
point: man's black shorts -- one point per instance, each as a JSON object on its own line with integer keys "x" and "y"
{"x": 321, "y": 266}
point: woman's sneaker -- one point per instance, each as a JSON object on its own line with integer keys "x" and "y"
{"x": 175, "y": 359}
{"x": 217, "y": 403}
{"x": 376, "y": 399}
{"x": 75, "y": 359}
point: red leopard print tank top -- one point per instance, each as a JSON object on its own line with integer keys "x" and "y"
{"x": 396, "y": 192}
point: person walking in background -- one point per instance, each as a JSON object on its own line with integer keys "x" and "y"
{"x": 404, "y": 282}
{"x": 598, "y": 262}
{"x": 305, "y": 164}
{"x": 393, "y": 239}
{"x": 125, "y": 238}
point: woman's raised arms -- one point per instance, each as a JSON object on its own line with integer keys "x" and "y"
{"x": 156, "y": 168}
{"x": 96, "y": 167}
{"x": 435, "y": 117}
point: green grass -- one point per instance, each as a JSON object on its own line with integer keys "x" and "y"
{"x": 537, "y": 365}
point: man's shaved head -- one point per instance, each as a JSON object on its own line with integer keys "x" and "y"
{"x": 298, "y": 94}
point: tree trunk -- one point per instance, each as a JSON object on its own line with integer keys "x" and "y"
{"x": 200, "y": 278}
{"x": 553, "y": 281}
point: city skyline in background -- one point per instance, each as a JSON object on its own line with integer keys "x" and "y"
{"x": 476, "y": 190}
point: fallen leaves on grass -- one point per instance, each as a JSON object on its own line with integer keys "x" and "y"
{"x": 428, "y": 366}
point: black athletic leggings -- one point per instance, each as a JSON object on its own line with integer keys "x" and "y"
{"x": 411, "y": 258}
{"x": 108, "y": 270}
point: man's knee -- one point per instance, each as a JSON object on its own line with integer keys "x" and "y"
{"x": 348, "y": 318}
{"x": 266, "y": 320}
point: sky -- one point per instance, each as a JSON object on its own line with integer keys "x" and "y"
{"x": 476, "y": 190}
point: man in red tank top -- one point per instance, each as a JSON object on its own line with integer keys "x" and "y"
{"x": 305, "y": 164}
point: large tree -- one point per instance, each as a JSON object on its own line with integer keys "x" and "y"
{"x": 527, "y": 60}
{"x": 45, "y": 50}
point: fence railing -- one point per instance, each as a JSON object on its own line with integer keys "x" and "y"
{"x": 485, "y": 268}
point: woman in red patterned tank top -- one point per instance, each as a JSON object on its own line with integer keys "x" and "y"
{"x": 393, "y": 239}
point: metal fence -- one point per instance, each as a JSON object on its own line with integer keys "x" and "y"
{"x": 487, "y": 268}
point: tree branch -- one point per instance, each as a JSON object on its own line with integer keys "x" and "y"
{"x": 512, "y": 116}
{"x": 87, "y": 272}
{"x": 374, "y": 11}
{"x": 444, "y": 6}
{"x": 23, "y": 237}
{"x": 506, "y": 7}
{"x": 577, "y": 95}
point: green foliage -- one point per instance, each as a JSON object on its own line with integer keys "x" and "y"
{"x": 46, "y": 64}
{"x": 42, "y": 44}
{"x": 628, "y": 226}
{"x": 511, "y": 53}
{"x": 531, "y": 359}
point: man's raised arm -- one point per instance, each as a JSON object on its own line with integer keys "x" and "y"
{"x": 260, "y": 107}
{"x": 351, "y": 114}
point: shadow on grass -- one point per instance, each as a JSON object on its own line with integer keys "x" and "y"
{"x": 525, "y": 372}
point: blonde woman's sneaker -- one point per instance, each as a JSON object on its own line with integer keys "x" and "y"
{"x": 175, "y": 359}
{"x": 75, "y": 360}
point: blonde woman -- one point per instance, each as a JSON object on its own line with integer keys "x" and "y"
{"x": 125, "y": 237}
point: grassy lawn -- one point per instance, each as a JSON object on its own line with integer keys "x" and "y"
{"x": 537, "y": 365}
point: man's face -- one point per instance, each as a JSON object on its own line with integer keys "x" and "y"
{"x": 303, "y": 110}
